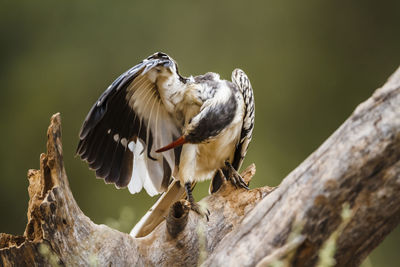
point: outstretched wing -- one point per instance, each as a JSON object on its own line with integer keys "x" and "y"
{"x": 242, "y": 81}
{"x": 128, "y": 122}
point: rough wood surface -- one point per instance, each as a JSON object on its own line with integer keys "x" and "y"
{"x": 358, "y": 168}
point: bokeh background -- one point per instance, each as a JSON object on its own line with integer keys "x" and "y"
{"x": 311, "y": 63}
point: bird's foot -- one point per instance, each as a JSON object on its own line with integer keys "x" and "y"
{"x": 196, "y": 207}
{"x": 202, "y": 211}
{"x": 235, "y": 178}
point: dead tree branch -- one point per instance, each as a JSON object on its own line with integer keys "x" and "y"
{"x": 358, "y": 168}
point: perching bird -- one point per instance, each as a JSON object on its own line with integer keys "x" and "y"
{"x": 152, "y": 125}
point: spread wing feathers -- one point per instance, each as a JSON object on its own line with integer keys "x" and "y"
{"x": 242, "y": 81}
{"x": 127, "y": 124}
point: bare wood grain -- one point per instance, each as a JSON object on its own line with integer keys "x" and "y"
{"x": 359, "y": 165}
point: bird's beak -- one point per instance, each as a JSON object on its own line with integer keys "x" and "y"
{"x": 178, "y": 142}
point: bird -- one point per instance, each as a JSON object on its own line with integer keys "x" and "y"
{"x": 152, "y": 127}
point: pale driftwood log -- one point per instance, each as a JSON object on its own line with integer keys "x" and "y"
{"x": 359, "y": 165}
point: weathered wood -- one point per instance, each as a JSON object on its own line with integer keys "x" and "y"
{"x": 357, "y": 167}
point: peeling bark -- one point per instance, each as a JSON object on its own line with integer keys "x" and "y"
{"x": 357, "y": 167}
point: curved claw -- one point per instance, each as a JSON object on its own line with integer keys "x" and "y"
{"x": 235, "y": 178}
{"x": 198, "y": 209}
{"x": 204, "y": 212}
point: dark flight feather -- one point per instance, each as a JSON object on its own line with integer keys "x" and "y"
{"x": 112, "y": 123}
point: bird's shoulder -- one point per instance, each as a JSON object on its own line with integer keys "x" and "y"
{"x": 210, "y": 86}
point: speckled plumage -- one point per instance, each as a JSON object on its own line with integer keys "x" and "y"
{"x": 150, "y": 106}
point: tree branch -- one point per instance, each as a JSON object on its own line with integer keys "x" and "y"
{"x": 341, "y": 201}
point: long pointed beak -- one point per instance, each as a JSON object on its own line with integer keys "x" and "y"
{"x": 178, "y": 142}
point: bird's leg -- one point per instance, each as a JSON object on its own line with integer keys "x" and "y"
{"x": 193, "y": 204}
{"x": 235, "y": 178}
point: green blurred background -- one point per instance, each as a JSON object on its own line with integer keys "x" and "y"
{"x": 311, "y": 63}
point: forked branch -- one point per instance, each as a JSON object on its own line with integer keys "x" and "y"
{"x": 357, "y": 168}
